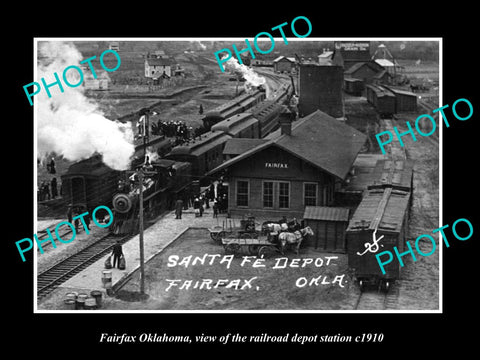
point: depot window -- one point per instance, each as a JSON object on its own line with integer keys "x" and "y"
{"x": 310, "y": 194}
{"x": 284, "y": 195}
{"x": 242, "y": 192}
{"x": 268, "y": 194}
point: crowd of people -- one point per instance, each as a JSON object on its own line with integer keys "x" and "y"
{"x": 47, "y": 190}
{"x": 211, "y": 197}
{"x": 172, "y": 129}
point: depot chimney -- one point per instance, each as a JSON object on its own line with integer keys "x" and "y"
{"x": 285, "y": 121}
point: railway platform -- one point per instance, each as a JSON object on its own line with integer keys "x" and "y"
{"x": 156, "y": 238}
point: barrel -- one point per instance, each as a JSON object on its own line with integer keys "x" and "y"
{"x": 97, "y": 295}
{"x": 80, "y": 303}
{"x": 71, "y": 296}
{"x": 70, "y": 304}
{"x": 90, "y": 303}
{"x": 107, "y": 279}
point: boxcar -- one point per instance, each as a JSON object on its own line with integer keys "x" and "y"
{"x": 353, "y": 86}
{"x": 393, "y": 173}
{"x": 382, "y": 99}
{"x": 383, "y": 212}
{"x": 404, "y": 100}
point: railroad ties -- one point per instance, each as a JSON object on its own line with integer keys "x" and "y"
{"x": 51, "y": 278}
{"x": 379, "y": 300}
{"x": 394, "y": 150}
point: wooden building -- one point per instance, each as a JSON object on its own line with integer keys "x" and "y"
{"x": 114, "y": 45}
{"x": 352, "y": 52}
{"x": 329, "y": 225}
{"x": 383, "y": 78}
{"x": 365, "y": 71}
{"x": 157, "y": 67}
{"x": 298, "y": 165}
{"x": 101, "y": 82}
{"x": 320, "y": 88}
{"x": 283, "y": 64}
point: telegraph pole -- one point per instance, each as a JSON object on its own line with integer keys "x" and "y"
{"x": 142, "y": 264}
{"x": 140, "y": 174}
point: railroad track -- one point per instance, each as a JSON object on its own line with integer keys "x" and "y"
{"x": 43, "y": 235}
{"x": 378, "y": 300}
{"x": 394, "y": 150}
{"x": 54, "y": 276}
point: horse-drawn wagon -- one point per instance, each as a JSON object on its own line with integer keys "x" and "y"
{"x": 264, "y": 243}
{"x": 249, "y": 244}
{"x": 247, "y": 226}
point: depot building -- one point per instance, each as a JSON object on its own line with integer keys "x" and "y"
{"x": 298, "y": 165}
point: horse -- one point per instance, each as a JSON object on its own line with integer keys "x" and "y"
{"x": 272, "y": 229}
{"x": 269, "y": 226}
{"x": 293, "y": 238}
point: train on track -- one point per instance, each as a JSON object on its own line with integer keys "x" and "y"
{"x": 179, "y": 171}
{"x": 380, "y": 222}
{"x": 387, "y": 100}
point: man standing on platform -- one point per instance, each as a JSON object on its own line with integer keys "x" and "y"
{"x": 117, "y": 253}
{"x": 178, "y": 208}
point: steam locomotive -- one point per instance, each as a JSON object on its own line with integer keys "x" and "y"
{"x": 181, "y": 171}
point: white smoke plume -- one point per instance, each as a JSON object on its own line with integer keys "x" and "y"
{"x": 251, "y": 77}
{"x": 71, "y": 125}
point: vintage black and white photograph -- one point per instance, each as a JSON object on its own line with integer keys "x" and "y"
{"x": 224, "y": 175}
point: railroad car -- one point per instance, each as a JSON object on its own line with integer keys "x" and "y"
{"x": 249, "y": 100}
{"x": 243, "y": 125}
{"x": 232, "y": 107}
{"x": 397, "y": 174}
{"x": 89, "y": 183}
{"x": 382, "y": 99}
{"x": 204, "y": 152}
{"x": 379, "y": 223}
{"x": 267, "y": 114}
{"x": 353, "y": 86}
{"x": 404, "y": 100}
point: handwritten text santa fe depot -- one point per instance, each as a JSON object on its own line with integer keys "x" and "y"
{"x": 254, "y": 262}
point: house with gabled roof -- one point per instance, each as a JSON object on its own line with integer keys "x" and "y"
{"x": 283, "y": 64}
{"x": 158, "y": 67}
{"x": 298, "y": 165}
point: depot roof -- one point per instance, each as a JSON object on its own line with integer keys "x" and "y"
{"x": 318, "y": 139}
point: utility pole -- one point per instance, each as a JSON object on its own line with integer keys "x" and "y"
{"x": 142, "y": 264}
{"x": 140, "y": 174}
